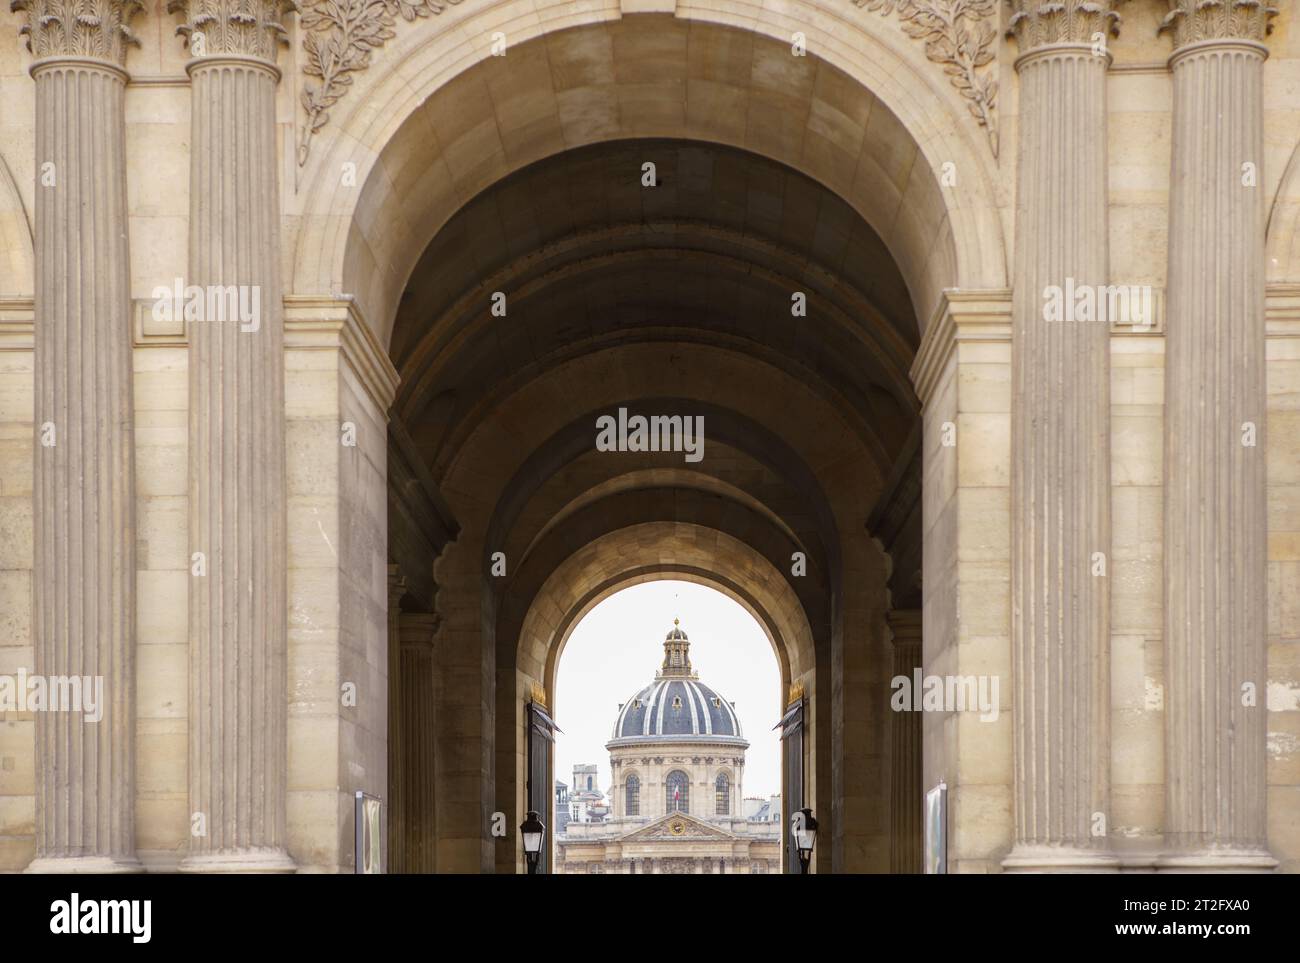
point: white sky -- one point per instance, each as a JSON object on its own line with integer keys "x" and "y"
{"x": 614, "y": 651}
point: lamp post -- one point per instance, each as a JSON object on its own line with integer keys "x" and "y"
{"x": 534, "y": 832}
{"x": 803, "y": 827}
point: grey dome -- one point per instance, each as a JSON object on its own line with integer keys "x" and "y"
{"x": 676, "y": 706}
{"x": 681, "y": 708}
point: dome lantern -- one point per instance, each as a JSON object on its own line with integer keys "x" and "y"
{"x": 677, "y": 655}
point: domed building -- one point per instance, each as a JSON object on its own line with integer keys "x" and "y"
{"x": 677, "y": 753}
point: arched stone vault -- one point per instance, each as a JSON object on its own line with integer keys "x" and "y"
{"x": 454, "y": 412}
{"x": 17, "y": 261}
{"x": 867, "y": 106}
{"x": 782, "y": 627}
{"x": 1283, "y": 225}
{"x": 862, "y": 175}
{"x": 808, "y": 521}
{"x": 653, "y": 477}
{"x": 774, "y": 175}
{"x": 642, "y": 552}
{"x": 591, "y": 199}
{"x": 811, "y": 479}
{"x": 694, "y": 511}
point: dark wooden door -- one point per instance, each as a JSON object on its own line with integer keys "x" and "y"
{"x": 541, "y": 793}
{"x": 792, "y": 754}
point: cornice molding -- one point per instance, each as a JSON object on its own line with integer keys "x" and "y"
{"x": 17, "y": 324}
{"x": 905, "y": 626}
{"x": 1282, "y": 311}
{"x": 418, "y": 631}
{"x": 313, "y": 322}
{"x": 961, "y": 316}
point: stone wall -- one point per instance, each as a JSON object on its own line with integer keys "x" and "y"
{"x": 340, "y": 232}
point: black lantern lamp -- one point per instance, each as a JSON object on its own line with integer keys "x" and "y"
{"x": 534, "y": 832}
{"x": 804, "y": 829}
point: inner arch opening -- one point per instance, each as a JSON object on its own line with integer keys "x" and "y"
{"x": 681, "y": 273}
{"x": 666, "y": 693}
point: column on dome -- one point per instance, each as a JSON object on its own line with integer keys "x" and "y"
{"x": 84, "y": 472}
{"x": 237, "y": 496}
{"x": 1060, "y": 443}
{"x": 704, "y": 808}
{"x": 1215, "y": 498}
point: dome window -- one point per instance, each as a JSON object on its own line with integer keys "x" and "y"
{"x": 677, "y": 702}
{"x": 722, "y": 795}
{"x": 717, "y": 703}
{"x": 677, "y": 792}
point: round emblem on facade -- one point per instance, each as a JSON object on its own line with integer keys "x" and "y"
{"x": 677, "y": 827}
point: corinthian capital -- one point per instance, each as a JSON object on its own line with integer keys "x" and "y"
{"x": 78, "y": 28}
{"x": 248, "y": 28}
{"x": 1192, "y": 21}
{"x": 1037, "y": 23}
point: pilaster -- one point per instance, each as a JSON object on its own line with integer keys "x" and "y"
{"x": 1061, "y": 443}
{"x": 393, "y": 807}
{"x": 84, "y": 484}
{"x": 962, "y": 375}
{"x": 339, "y": 385}
{"x": 905, "y": 782}
{"x": 1215, "y": 470}
{"x": 237, "y": 524}
{"x": 419, "y": 730}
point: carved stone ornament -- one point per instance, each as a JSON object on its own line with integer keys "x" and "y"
{"x": 1193, "y": 21}
{"x": 1036, "y": 23}
{"x": 338, "y": 38}
{"x": 248, "y": 28}
{"x": 78, "y": 28}
{"x": 959, "y": 35}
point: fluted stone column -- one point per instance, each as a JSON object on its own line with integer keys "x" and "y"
{"x": 905, "y": 755}
{"x": 84, "y": 484}
{"x": 393, "y": 804}
{"x": 238, "y": 702}
{"x": 1060, "y": 442}
{"x": 419, "y": 735}
{"x": 1215, "y": 499}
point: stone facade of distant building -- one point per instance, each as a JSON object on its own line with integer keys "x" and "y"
{"x": 584, "y": 803}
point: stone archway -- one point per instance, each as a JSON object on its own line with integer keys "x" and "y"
{"x": 607, "y": 567}
{"x": 821, "y": 191}
{"x": 15, "y": 239}
{"x": 409, "y": 132}
{"x": 810, "y": 150}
